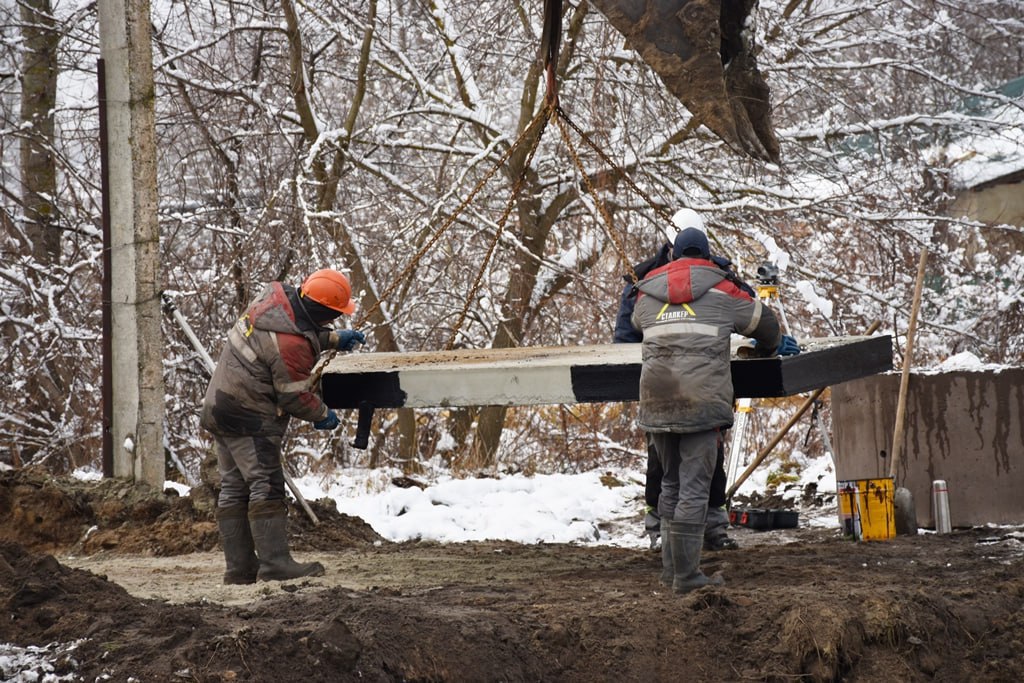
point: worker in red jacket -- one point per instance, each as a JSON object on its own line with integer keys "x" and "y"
{"x": 716, "y": 535}
{"x": 262, "y": 380}
{"x": 687, "y": 311}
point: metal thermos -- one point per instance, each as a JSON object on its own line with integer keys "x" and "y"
{"x": 940, "y": 507}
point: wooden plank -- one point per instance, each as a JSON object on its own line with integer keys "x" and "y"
{"x": 574, "y": 374}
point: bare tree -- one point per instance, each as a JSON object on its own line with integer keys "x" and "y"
{"x": 380, "y": 138}
{"x": 47, "y": 281}
{"x": 38, "y": 101}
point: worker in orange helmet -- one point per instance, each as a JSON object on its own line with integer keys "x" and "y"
{"x": 262, "y": 379}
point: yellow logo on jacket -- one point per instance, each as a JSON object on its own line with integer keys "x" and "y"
{"x": 245, "y": 323}
{"x": 685, "y": 312}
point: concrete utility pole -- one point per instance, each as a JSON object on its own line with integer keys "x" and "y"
{"x": 137, "y": 373}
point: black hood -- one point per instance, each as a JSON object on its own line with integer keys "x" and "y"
{"x": 309, "y": 315}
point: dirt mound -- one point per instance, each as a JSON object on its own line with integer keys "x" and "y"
{"x": 287, "y": 637}
{"x": 121, "y": 637}
{"x": 801, "y": 604}
{"x": 333, "y": 529}
{"x": 818, "y": 609}
{"x": 38, "y": 512}
{"x": 50, "y": 514}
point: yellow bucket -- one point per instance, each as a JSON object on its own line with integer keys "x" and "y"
{"x": 866, "y": 510}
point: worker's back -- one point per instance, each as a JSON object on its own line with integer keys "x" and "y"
{"x": 687, "y": 311}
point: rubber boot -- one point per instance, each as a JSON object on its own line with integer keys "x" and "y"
{"x": 239, "y": 550}
{"x": 715, "y": 526}
{"x": 668, "y": 571}
{"x": 269, "y": 522}
{"x": 686, "y": 540}
{"x": 652, "y": 527}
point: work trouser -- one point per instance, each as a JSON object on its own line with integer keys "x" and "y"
{"x": 250, "y": 469}
{"x": 652, "y": 485}
{"x": 716, "y": 497}
{"x": 688, "y": 461}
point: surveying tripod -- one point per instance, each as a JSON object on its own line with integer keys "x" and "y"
{"x": 768, "y": 292}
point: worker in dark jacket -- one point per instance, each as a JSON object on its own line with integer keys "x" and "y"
{"x": 262, "y": 380}
{"x": 687, "y": 312}
{"x": 716, "y": 536}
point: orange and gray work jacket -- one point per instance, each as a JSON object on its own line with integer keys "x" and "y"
{"x": 263, "y": 374}
{"x": 687, "y": 311}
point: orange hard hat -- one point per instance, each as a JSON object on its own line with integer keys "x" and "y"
{"x": 331, "y": 289}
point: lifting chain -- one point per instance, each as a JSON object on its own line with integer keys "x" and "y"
{"x": 551, "y": 110}
{"x": 622, "y": 174}
{"x": 658, "y": 209}
{"x": 563, "y": 120}
{"x": 539, "y": 119}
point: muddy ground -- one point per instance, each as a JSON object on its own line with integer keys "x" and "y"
{"x": 124, "y": 586}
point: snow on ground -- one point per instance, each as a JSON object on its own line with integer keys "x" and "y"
{"x": 544, "y": 508}
{"x": 34, "y": 664}
{"x": 592, "y": 508}
{"x": 600, "y": 507}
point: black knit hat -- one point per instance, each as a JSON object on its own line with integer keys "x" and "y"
{"x": 693, "y": 243}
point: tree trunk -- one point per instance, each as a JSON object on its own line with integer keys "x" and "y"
{"x": 327, "y": 169}
{"x": 535, "y": 227}
{"x": 40, "y": 38}
{"x": 38, "y": 100}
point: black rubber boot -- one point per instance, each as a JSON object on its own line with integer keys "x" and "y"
{"x": 239, "y": 550}
{"x": 686, "y": 540}
{"x": 668, "y": 571}
{"x": 268, "y": 520}
{"x": 723, "y": 542}
{"x": 715, "y": 526}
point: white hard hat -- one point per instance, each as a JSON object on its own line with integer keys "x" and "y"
{"x": 688, "y": 218}
{"x": 682, "y": 219}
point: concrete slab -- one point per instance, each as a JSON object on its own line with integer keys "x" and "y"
{"x": 574, "y": 374}
{"x": 964, "y": 427}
